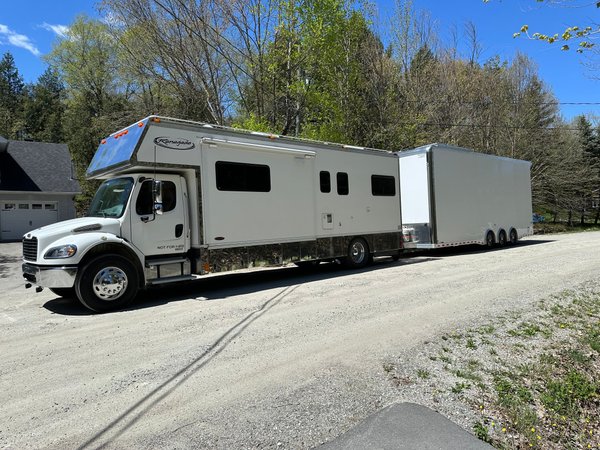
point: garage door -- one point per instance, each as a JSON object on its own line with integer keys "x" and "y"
{"x": 18, "y": 217}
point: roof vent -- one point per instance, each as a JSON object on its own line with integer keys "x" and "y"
{"x": 3, "y": 144}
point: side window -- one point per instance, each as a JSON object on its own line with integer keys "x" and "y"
{"x": 169, "y": 196}
{"x": 325, "y": 181}
{"x": 242, "y": 177}
{"x": 342, "y": 183}
{"x": 383, "y": 185}
{"x": 143, "y": 205}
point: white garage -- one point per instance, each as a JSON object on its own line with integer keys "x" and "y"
{"x": 19, "y": 217}
{"x": 37, "y": 186}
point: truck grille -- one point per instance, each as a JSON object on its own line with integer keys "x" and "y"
{"x": 30, "y": 247}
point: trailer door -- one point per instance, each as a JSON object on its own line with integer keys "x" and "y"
{"x": 415, "y": 200}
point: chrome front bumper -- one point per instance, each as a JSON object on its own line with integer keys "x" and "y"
{"x": 50, "y": 277}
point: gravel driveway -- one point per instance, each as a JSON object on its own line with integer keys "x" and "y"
{"x": 271, "y": 359}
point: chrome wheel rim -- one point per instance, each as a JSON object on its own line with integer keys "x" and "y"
{"x": 357, "y": 252}
{"x": 110, "y": 283}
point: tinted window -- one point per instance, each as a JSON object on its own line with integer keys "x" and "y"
{"x": 342, "y": 183}
{"x": 145, "y": 198}
{"x": 325, "y": 180}
{"x": 383, "y": 185}
{"x": 232, "y": 176}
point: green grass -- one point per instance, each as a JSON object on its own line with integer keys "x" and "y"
{"x": 423, "y": 374}
{"x": 459, "y": 387}
{"x": 533, "y": 376}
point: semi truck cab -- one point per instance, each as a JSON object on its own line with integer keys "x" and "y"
{"x": 137, "y": 232}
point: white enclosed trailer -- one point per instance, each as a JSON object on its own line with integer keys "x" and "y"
{"x": 452, "y": 196}
{"x": 181, "y": 199}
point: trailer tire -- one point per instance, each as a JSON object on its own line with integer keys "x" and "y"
{"x": 64, "y": 292}
{"x": 502, "y": 238}
{"x": 514, "y": 237}
{"x": 107, "y": 283}
{"x": 358, "y": 254}
{"x": 490, "y": 240}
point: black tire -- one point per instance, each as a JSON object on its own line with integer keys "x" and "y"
{"x": 502, "y": 238}
{"x": 514, "y": 237}
{"x": 107, "y": 283}
{"x": 396, "y": 257}
{"x": 358, "y": 254}
{"x": 490, "y": 240}
{"x": 64, "y": 292}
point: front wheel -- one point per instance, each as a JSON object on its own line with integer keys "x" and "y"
{"x": 107, "y": 283}
{"x": 358, "y": 254}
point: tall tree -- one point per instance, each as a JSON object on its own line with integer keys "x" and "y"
{"x": 11, "y": 98}
{"x": 44, "y": 108}
{"x": 95, "y": 104}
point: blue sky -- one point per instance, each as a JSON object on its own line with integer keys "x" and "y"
{"x": 29, "y": 27}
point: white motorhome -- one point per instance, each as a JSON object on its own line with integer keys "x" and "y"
{"x": 181, "y": 199}
{"x": 453, "y": 196}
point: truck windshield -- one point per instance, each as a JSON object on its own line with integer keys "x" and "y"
{"x": 111, "y": 198}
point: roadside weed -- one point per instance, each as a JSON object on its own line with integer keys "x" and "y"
{"x": 535, "y": 372}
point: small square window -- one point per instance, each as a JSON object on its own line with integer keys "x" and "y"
{"x": 342, "y": 183}
{"x": 325, "y": 181}
{"x": 50, "y": 206}
{"x": 36, "y": 206}
{"x": 23, "y": 205}
{"x": 9, "y": 206}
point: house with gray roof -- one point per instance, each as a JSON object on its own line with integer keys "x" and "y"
{"x": 37, "y": 186}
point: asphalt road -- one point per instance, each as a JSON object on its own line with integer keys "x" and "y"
{"x": 271, "y": 359}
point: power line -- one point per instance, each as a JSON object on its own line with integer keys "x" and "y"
{"x": 473, "y": 125}
{"x": 513, "y": 102}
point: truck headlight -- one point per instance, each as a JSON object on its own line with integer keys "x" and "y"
{"x": 64, "y": 251}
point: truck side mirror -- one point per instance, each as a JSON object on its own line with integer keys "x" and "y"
{"x": 157, "y": 194}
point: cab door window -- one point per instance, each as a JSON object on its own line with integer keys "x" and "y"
{"x": 145, "y": 200}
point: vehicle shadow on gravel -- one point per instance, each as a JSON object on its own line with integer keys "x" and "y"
{"x": 221, "y": 287}
{"x": 474, "y": 249}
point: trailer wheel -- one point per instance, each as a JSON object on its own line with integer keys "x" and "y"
{"x": 490, "y": 240}
{"x": 358, "y": 254}
{"x": 502, "y": 238}
{"x": 514, "y": 237}
{"x": 107, "y": 283}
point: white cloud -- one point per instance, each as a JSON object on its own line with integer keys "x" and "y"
{"x": 59, "y": 30}
{"x": 16, "y": 39}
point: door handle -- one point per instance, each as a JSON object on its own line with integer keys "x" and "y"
{"x": 178, "y": 230}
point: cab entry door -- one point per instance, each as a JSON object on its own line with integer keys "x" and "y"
{"x": 161, "y": 234}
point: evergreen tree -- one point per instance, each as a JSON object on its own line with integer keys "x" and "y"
{"x": 11, "y": 98}
{"x": 44, "y": 108}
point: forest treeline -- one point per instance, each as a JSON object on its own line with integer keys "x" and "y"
{"x": 319, "y": 69}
